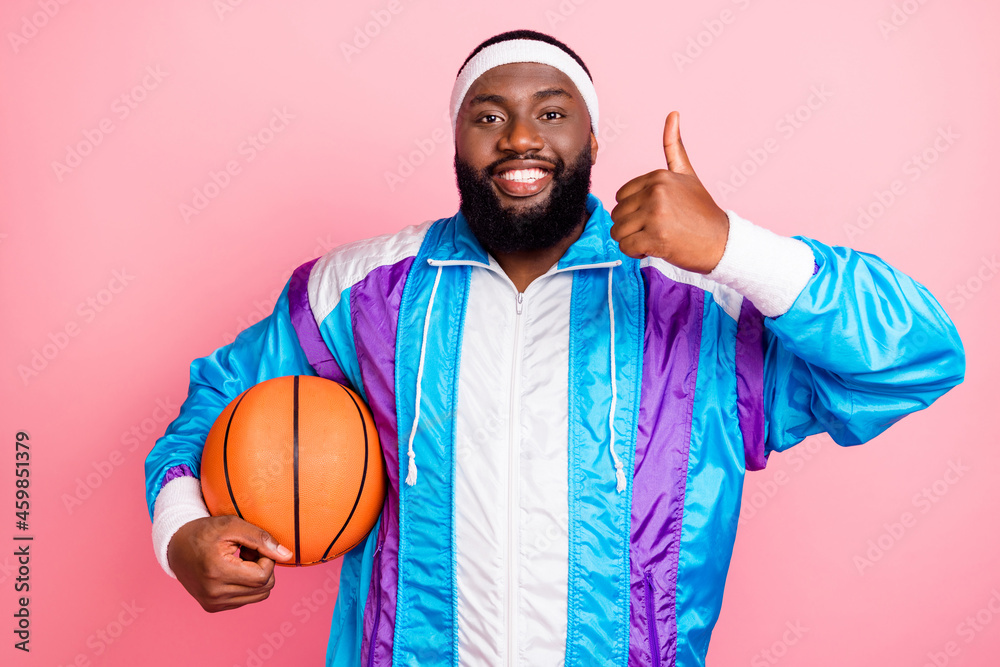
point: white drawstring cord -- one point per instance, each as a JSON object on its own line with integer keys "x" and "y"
{"x": 619, "y": 472}
{"x": 411, "y": 468}
{"x": 411, "y": 471}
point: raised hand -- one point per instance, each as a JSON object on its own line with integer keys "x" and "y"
{"x": 669, "y": 214}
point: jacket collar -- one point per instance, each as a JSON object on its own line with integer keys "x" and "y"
{"x": 457, "y": 245}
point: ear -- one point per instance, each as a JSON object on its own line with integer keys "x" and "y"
{"x": 593, "y": 148}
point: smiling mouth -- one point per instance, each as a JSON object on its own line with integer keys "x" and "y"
{"x": 522, "y": 182}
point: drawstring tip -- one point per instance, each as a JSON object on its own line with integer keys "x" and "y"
{"x": 411, "y": 473}
{"x": 620, "y": 474}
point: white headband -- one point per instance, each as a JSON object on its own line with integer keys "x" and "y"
{"x": 523, "y": 51}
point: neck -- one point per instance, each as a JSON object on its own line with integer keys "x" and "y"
{"x": 524, "y": 266}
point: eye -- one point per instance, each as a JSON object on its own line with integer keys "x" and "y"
{"x": 552, "y": 115}
{"x": 489, "y": 118}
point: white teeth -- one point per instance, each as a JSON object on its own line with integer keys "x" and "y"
{"x": 523, "y": 175}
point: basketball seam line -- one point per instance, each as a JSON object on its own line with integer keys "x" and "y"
{"x": 295, "y": 463}
{"x": 225, "y": 455}
{"x": 364, "y": 473}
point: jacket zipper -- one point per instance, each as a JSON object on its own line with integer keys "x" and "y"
{"x": 654, "y": 640}
{"x": 513, "y": 494}
{"x": 378, "y": 603}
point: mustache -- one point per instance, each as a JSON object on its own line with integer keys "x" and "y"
{"x": 557, "y": 164}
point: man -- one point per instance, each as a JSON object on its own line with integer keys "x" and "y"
{"x": 567, "y": 400}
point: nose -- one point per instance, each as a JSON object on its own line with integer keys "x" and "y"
{"x": 521, "y": 136}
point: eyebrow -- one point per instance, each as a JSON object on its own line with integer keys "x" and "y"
{"x": 500, "y": 99}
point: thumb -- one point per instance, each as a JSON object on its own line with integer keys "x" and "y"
{"x": 260, "y": 540}
{"x": 673, "y": 148}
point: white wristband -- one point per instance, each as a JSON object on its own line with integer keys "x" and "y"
{"x": 768, "y": 269}
{"x": 179, "y": 502}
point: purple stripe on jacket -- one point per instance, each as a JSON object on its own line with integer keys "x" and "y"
{"x": 750, "y": 384}
{"x": 670, "y": 369}
{"x": 304, "y": 322}
{"x": 173, "y": 472}
{"x": 374, "y": 315}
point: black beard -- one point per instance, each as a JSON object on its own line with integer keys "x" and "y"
{"x": 534, "y": 228}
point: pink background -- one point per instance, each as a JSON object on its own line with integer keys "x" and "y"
{"x": 165, "y": 290}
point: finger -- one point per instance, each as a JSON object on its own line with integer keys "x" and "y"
{"x": 627, "y": 221}
{"x": 224, "y": 591}
{"x": 630, "y": 188}
{"x": 252, "y": 573}
{"x": 230, "y": 568}
{"x": 254, "y": 537}
{"x": 635, "y": 245}
{"x": 248, "y": 599}
{"x": 654, "y": 194}
{"x": 234, "y": 602}
{"x": 266, "y": 565}
{"x": 218, "y": 595}
{"x": 673, "y": 148}
{"x": 639, "y": 183}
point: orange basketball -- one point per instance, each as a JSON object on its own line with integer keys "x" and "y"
{"x": 299, "y": 457}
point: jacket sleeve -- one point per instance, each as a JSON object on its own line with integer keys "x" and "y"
{"x": 267, "y": 349}
{"x": 850, "y": 344}
{"x": 861, "y": 346}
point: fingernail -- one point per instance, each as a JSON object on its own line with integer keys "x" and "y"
{"x": 283, "y": 551}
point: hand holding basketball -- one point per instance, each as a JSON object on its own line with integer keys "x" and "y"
{"x": 296, "y": 457}
{"x": 207, "y": 555}
{"x": 669, "y": 214}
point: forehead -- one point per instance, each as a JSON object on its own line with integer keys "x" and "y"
{"x": 520, "y": 80}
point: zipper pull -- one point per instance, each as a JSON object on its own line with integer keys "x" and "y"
{"x": 520, "y": 302}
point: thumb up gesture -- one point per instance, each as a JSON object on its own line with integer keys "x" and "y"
{"x": 669, "y": 214}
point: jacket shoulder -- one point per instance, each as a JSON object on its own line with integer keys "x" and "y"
{"x": 346, "y": 265}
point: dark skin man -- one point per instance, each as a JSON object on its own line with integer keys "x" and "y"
{"x": 520, "y": 116}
